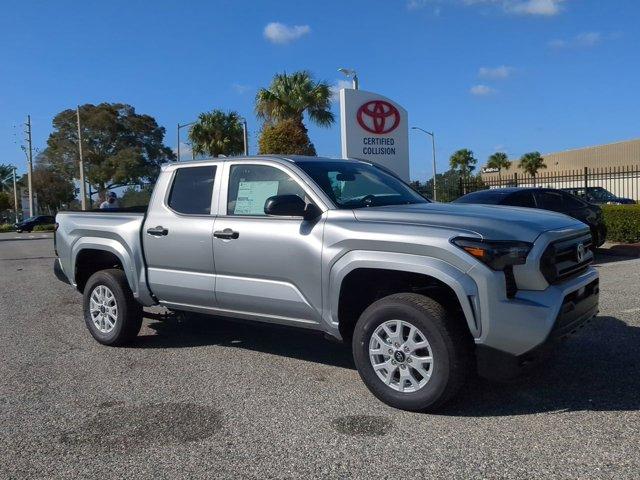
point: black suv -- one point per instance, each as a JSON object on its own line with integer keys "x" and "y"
{"x": 546, "y": 199}
{"x": 27, "y": 224}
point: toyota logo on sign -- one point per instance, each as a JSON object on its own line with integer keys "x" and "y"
{"x": 378, "y": 117}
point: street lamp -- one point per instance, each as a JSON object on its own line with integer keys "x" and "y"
{"x": 179, "y": 127}
{"x": 245, "y": 135}
{"x": 433, "y": 144}
{"x": 350, "y": 73}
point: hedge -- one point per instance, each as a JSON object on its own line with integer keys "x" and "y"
{"x": 623, "y": 223}
{"x": 44, "y": 228}
{"x": 6, "y": 227}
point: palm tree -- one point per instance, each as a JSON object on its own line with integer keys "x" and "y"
{"x": 217, "y": 133}
{"x": 464, "y": 162}
{"x": 499, "y": 160}
{"x": 532, "y": 162}
{"x": 290, "y": 96}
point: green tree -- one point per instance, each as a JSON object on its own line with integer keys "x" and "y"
{"x": 6, "y": 201}
{"x": 531, "y": 163}
{"x": 464, "y": 163}
{"x": 217, "y": 133}
{"x": 500, "y": 161}
{"x": 289, "y": 97}
{"x": 120, "y": 146}
{"x": 6, "y": 177}
{"x": 135, "y": 197}
{"x": 286, "y": 137}
{"x": 52, "y": 187}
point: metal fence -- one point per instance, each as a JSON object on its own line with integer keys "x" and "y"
{"x": 622, "y": 182}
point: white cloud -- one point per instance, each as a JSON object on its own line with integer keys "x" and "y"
{"x": 239, "y": 88}
{"x": 500, "y": 72}
{"x": 582, "y": 40}
{"x": 280, "y": 33}
{"x": 518, "y": 7}
{"x": 339, "y": 85}
{"x": 534, "y": 7}
{"x": 482, "y": 90}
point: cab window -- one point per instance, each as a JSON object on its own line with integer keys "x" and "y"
{"x": 192, "y": 189}
{"x": 251, "y": 185}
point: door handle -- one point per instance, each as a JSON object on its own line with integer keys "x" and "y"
{"x": 226, "y": 234}
{"x": 158, "y": 231}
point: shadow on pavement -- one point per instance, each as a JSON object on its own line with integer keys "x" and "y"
{"x": 191, "y": 330}
{"x": 597, "y": 369}
{"x": 602, "y": 257}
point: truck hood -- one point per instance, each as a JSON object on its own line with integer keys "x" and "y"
{"x": 492, "y": 222}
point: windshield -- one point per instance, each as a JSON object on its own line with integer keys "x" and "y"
{"x": 358, "y": 185}
{"x": 600, "y": 193}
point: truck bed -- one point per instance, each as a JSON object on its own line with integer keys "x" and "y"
{"x": 117, "y": 231}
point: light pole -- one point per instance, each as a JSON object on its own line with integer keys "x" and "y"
{"x": 351, "y": 73}
{"x": 433, "y": 145}
{"x": 245, "y": 135}
{"x": 15, "y": 194}
{"x": 83, "y": 186}
{"x": 179, "y": 127}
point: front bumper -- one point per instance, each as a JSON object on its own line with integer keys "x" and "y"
{"x": 578, "y": 308}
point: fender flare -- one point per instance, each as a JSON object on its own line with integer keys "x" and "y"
{"x": 463, "y": 285}
{"x": 107, "y": 245}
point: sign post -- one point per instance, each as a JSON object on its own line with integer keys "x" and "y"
{"x": 376, "y": 129}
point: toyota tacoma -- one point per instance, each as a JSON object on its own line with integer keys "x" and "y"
{"x": 425, "y": 292}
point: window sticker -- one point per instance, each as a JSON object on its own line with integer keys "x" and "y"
{"x": 252, "y": 195}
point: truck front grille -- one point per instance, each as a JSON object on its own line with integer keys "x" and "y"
{"x": 566, "y": 258}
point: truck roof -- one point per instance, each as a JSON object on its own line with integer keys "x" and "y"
{"x": 285, "y": 158}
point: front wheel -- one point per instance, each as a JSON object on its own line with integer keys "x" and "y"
{"x": 410, "y": 352}
{"x": 111, "y": 313}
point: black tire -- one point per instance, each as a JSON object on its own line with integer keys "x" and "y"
{"x": 129, "y": 311}
{"x": 450, "y": 342}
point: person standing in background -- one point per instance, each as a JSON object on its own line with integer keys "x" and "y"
{"x": 110, "y": 202}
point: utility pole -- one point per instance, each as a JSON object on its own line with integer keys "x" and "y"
{"x": 83, "y": 186}
{"x": 178, "y": 141}
{"x": 30, "y": 166}
{"x": 15, "y": 194}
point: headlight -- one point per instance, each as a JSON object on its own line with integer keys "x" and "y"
{"x": 496, "y": 254}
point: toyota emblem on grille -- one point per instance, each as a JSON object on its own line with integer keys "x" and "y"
{"x": 580, "y": 252}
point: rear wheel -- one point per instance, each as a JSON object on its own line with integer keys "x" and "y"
{"x": 410, "y": 352}
{"x": 111, "y": 313}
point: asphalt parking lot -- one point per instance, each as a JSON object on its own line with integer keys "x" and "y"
{"x": 202, "y": 397}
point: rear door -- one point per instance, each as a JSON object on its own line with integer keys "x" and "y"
{"x": 177, "y": 237}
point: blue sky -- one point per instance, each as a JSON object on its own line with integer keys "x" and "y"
{"x": 513, "y": 75}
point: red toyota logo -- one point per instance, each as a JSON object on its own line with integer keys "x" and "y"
{"x": 378, "y": 117}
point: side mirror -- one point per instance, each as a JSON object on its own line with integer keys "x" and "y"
{"x": 290, "y": 206}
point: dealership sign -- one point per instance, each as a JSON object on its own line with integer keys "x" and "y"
{"x": 374, "y": 128}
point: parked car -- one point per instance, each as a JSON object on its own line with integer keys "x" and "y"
{"x": 546, "y": 199}
{"x": 598, "y": 196}
{"x": 28, "y": 224}
{"x": 343, "y": 247}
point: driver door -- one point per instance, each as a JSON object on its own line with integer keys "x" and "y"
{"x": 266, "y": 266}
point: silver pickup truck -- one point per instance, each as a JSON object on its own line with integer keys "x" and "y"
{"x": 424, "y": 292}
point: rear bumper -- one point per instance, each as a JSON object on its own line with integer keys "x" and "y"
{"x": 578, "y": 309}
